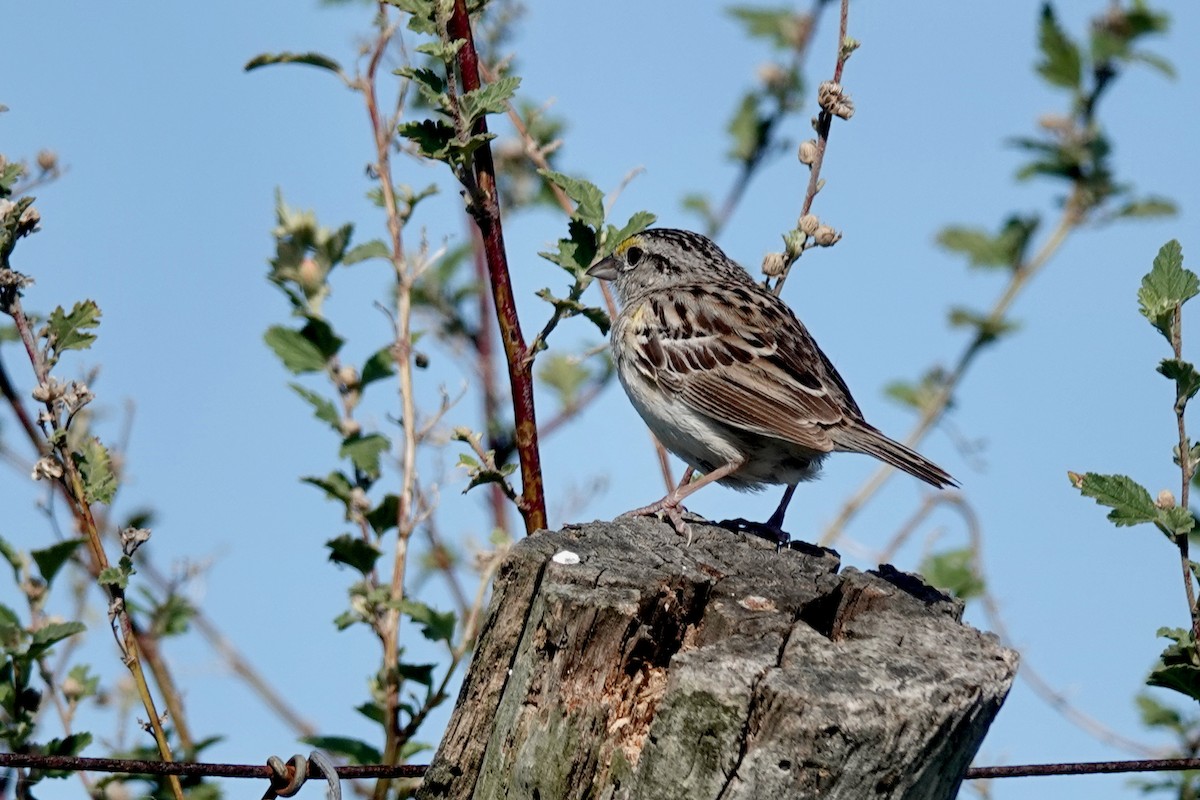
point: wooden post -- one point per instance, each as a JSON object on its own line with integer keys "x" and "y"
{"x": 618, "y": 662}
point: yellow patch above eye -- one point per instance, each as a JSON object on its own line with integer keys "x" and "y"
{"x": 625, "y": 245}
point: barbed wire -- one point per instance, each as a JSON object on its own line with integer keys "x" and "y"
{"x": 201, "y": 770}
{"x": 361, "y": 771}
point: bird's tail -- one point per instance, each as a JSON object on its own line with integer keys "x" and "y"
{"x": 862, "y": 438}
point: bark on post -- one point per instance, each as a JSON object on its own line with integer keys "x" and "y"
{"x": 650, "y": 669}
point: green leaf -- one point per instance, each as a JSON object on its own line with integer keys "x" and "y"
{"x": 431, "y": 85}
{"x": 335, "y": 485}
{"x": 364, "y": 452}
{"x": 312, "y": 59}
{"x": 422, "y": 17}
{"x": 565, "y": 375}
{"x": 417, "y": 673}
{"x": 355, "y": 751}
{"x": 380, "y": 365}
{"x": 1061, "y": 63}
{"x": 775, "y": 24}
{"x": 72, "y": 331}
{"x": 1005, "y": 249}
{"x": 987, "y": 329}
{"x": 489, "y": 99}
{"x": 48, "y": 635}
{"x": 51, "y": 559}
{"x": 570, "y": 308}
{"x": 636, "y": 224}
{"x": 323, "y": 409}
{"x": 748, "y": 129}
{"x": 577, "y": 252}
{"x": 1130, "y": 502}
{"x": 297, "y": 353}
{"x": 954, "y": 571}
{"x": 1177, "y": 668}
{"x": 1187, "y": 380}
{"x": 118, "y": 575}
{"x": 589, "y": 200}
{"x": 1166, "y": 286}
{"x": 442, "y": 50}
{"x": 1177, "y": 520}
{"x": 1147, "y": 208}
{"x": 1156, "y": 715}
{"x": 432, "y": 137}
{"x": 384, "y": 516}
{"x": 436, "y": 626}
{"x": 354, "y": 552}
{"x": 95, "y": 467}
{"x": 367, "y": 250}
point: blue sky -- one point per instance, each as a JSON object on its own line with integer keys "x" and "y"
{"x": 164, "y": 218}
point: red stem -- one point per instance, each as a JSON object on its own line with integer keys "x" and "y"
{"x": 486, "y": 211}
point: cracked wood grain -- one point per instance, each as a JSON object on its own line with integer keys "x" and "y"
{"x": 720, "y": 670}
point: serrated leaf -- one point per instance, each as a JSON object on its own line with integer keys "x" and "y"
{"x": 336, "y": 485}
{"x": 441, "y": 49}
{"x": 636, "y": 224}
{"x": 380, "y": 365}
{"x": 72, "y": 331}
{"x": 297, "y": 353}
{"x": 1004, "y": 249}
{"x": 1177, "y": 667}
{"x": 1167, "y": 285}
{"x": 364, "y": 452}
{"x": 375, "y": 248}
{"x": 437, "y": 626}
{"x": 1187, "y": 380}
{"x": 1130, "y": 502}
{"x": 1061, "y": 63}
{"x": 118, "y": 575}
{"x": 95, "y": 467}
{"x": 323, "y": 408}
{"x": 311, "y": 59}
{"x": 355, "y": 751}
{"x": 384, "y": 516}
{"x": 1177, "y": 519}
{"x": 50, "y": 560}
{"x": 577, "y": 252}
{"x": 354, "y": 552}
{"x": 48, "y": 635}
{"x": 422, "y": 17}
{"x": 429, "y": 84}
{"x": 489, "y": 99}
{"x": 589, "y": 200}
{"x": 432, "y": 137}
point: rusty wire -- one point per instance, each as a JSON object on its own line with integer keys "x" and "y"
{"x": 358, "y": 771}
{"x": 134, "y": 766}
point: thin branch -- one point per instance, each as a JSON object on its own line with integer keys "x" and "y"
{"x": 485, "y": 208}
{"x": 933, "y": 411}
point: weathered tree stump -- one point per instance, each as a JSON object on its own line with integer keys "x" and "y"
{"x": 652, "y": 669}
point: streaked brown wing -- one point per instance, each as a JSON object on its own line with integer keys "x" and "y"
{"x": 739, "y": 355}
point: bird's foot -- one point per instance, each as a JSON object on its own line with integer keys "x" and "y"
{"x": 672, "y": 509}
{"x": 763, "y": 530}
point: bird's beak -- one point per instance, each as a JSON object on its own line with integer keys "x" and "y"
{"x": 606, "y": 269}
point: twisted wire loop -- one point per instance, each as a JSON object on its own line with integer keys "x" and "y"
{"x": 286, "y": 779}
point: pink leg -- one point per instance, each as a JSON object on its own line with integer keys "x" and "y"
{"x": 671, "y": 505}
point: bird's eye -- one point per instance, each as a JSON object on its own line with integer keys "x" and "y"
{"x": 633, "y": 255}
